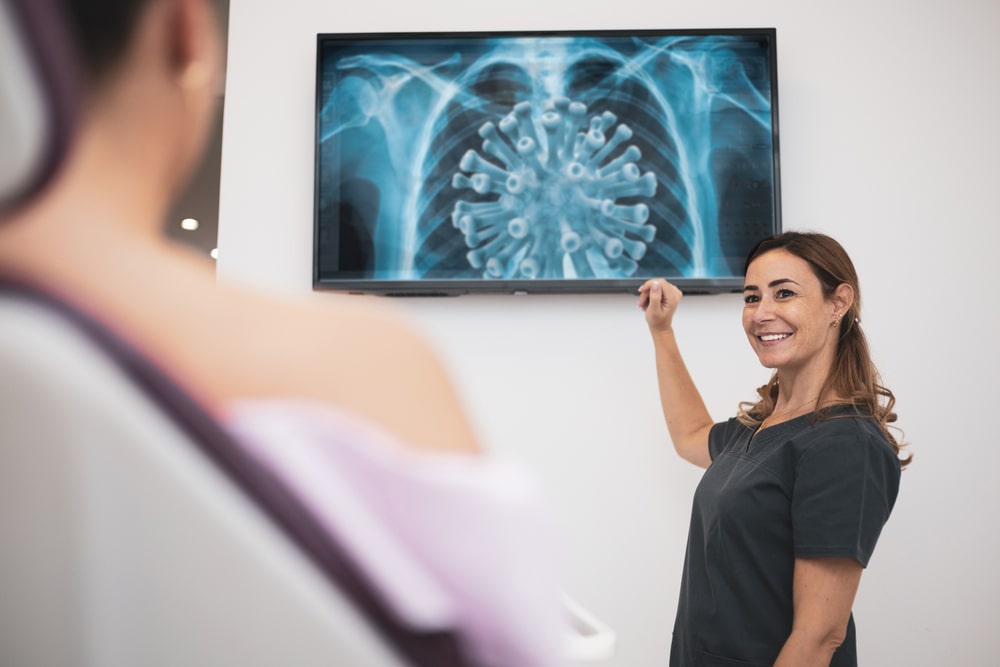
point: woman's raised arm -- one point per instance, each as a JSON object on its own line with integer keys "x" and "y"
{"x": 688, "y": 421}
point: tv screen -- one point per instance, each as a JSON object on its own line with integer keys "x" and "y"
{"x": 449, "y": 163}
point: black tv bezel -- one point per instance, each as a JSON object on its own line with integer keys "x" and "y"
{"x": 457, "y": 287}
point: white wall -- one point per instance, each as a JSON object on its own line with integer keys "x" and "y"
{"x": 889, "y": 141}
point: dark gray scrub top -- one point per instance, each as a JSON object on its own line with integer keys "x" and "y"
{"x": 802, "y": 488}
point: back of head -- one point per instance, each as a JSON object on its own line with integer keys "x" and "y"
{"x": 60, "y": 72}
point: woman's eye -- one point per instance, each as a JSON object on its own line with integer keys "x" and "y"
{"x": 785, "y": 293}
{"x": 751, "y": 298}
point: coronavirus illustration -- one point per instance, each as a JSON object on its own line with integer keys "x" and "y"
{"x": 555, "y": 213}
{"x": 542, "y": 158}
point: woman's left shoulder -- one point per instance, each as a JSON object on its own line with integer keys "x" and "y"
{"x": 847, "y": 428}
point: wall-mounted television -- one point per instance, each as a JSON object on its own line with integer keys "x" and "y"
{"x": 557, "y": 161}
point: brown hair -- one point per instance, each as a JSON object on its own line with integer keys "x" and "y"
{"x": 101, "y": 30}
{"x": 853, "y": 377}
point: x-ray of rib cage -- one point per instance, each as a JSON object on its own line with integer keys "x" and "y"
{"x": 548, "y": 158}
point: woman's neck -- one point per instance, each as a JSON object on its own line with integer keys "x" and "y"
{"x": 104, "y": 196}
{"x": 806, "y": 382}
{"x": 795, "y": 395}
{"x": 798, "y": 394}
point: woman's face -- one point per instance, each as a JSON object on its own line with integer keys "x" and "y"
{"x": 786, "y": 317}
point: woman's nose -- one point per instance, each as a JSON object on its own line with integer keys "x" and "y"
{"x": 764, "y": 312}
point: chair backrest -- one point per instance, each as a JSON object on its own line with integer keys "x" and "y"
{"x": 136, "y": 532}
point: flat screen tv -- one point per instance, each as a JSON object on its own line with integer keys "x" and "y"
{"x": 558, "y": 161}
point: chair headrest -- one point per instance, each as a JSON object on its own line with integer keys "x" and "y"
{"x": 38, "y": 96}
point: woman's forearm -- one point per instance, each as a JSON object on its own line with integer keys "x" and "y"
{"x": 823, "y": 592}
{"x": 688, "y": 421}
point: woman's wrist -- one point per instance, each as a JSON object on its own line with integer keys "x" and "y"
{"x": 661, "y": 332}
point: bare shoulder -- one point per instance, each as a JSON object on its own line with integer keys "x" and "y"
{"x": 355, "y": 352}
{"x": 227, "y": 342}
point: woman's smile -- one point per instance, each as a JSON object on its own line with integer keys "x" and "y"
{"x": 770, "y": 339}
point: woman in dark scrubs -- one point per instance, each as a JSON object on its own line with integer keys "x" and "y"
{"x": 798, "y": 484}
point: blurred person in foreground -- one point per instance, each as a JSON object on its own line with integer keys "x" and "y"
{"x": 279, "y": 374}
{"x": 799, "y": 484}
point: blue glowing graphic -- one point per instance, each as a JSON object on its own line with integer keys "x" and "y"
{"x": 556, "y": 214}
{"x": 543, "y": 158}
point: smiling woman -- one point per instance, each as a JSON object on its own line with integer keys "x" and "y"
{"x": 799, "y": 484}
